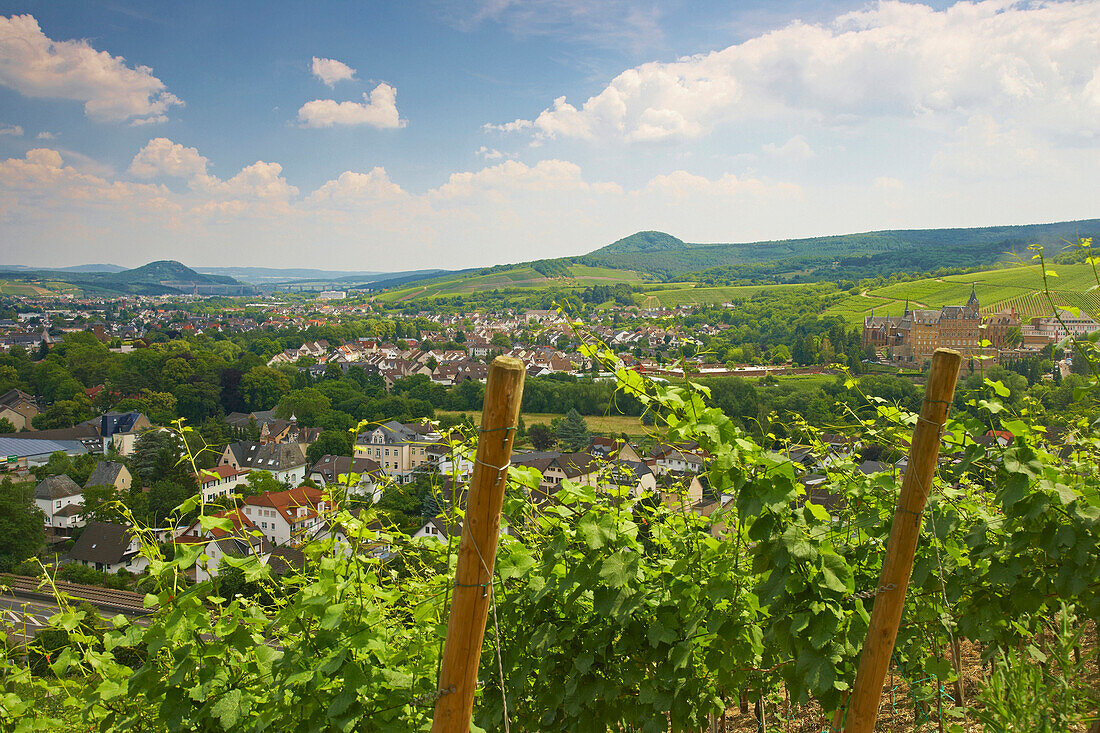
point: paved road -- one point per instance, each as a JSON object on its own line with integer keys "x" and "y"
{"x": 20, "y": 617}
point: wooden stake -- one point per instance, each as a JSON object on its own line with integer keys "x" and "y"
{"x": 477, "y": 550}
{"x": 901, "y": 547}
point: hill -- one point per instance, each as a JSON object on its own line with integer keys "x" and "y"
{"x": 845, "y": 256}
{"x": 163, "y": 277}
{"x": 642, "y": 242}
{"x": 657, "y": 256}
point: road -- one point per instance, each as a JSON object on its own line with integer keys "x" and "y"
{"x": 22, "y": 618}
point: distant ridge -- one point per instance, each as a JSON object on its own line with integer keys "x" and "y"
{"x": 162, "y": 277}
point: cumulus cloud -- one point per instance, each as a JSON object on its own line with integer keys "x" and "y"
{"x": 352, "y": 188}
{"x": 513, "y": 176}
{"x": 680, "y": 185}
{"x": 331, "y": 71}
{"x": 983, "y": 148}
{"x": 37, "y": 66}
{"x": 162, "y": 157}
{"x": 378, "y": 109}
{"x": 1038, "y": 63}
{"x": 13, "y": 130}
{"x": 797, "y": 148}
{"x": 45, "y": 135}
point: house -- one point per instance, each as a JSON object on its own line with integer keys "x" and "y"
{"x": 61, "y": 499}
{"x": 440, "y": 528}
{"x": 398, "y": 448}
{"x": 220, "y": 481}
{"x": 110, "y": 473}
{"x": 219, "y": 543}
{"x": 329, "y": 468}
{"x": 119, "y": 429}
{"x": 109, "y": 548}
{"x": 19, "y": 408}
{"x": 287, "y": 431}
{"x": 613, "y": 449}
{"x": 242, "y": 420}
{"x": 685, "y": 458}
{"x": 285, "y": 461}
{"x": 378, "y": 546}
{"x": 287, "y": 517}
{"x": 681, "y": 490}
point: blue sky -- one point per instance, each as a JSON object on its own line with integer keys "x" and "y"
{"x": 389, "y": 136}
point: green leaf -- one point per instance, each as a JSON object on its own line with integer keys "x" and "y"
{"x": 835, "y": 573}
{"x": 618, "y": 569}
{"x": 228, "y": 709}
{"x": 223, "y": 523}
{"x": 819, "y": 513}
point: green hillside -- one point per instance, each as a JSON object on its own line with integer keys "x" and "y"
{"x": 513, "y": 276}
{"x": 847, "y": 256}
{"x": 1014, "y": 287}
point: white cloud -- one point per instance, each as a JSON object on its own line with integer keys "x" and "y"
{"x": 797, "y": 148}
{"x": 257, "y": 181}
{"x": 378, "y": 109}
{"x": 983, "y": 148}
{"x": 508, "y": 126}
{"x": 489, "y": 153}
{"x": 45, "y": 135}
{"x": 513, "y": 176}
{"x": 1036, "y": 63}
{"x": 331, "y": 71}
{"x": 680, "y": 185}
{"x": 886, "y": 183}
{"x": 162, "y": 157}
{"x": 13, "y": 130}
{"x": 36, "y": 66}
{"x": 352, "y": 188}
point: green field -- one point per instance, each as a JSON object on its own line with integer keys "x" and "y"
{"x": 1017, "y": 287}
{"x": 603, "y": 424}
{"x": 32, "y": 289}
{"x": 522, "y": 276}
{"x": 710, "y": 296}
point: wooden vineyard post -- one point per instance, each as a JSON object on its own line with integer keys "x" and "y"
{"x": 893, "y": 582}
{"x": 477, "y": 550}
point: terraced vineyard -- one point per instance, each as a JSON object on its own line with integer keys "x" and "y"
{"x": 1015, "y": 287}
{"x": 522, "y": 276}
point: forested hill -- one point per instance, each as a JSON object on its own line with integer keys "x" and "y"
{"x": 847, "y": 255}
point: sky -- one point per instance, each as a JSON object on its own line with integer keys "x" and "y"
{"x": 459, "y": 133}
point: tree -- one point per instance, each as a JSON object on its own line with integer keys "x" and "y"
{"x": 6, "y": 425}
{"x": 164, "y": 497}
{"x": 63, "y": 414}
{"x": 260, "y": 482}
{"x": 501, "y": 340}
{"x": 542, "y": 438}
{"x": 307, "y": 405}
{"x": 97, "y": 500}
{"x": 330, "y": 442}
{"x": 21, "y": 523}
{"x": 157, "y": 456}
{"x": 262, "y": 387}
{"x": 573, "y": 432}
